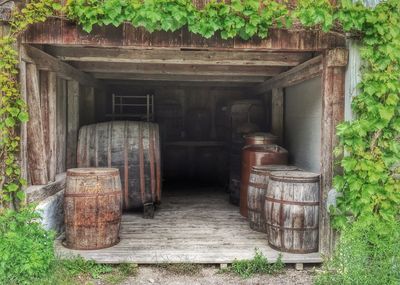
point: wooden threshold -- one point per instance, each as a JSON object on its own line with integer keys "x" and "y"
{"x": 189, "y": 227}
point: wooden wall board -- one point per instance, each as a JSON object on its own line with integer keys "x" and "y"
{"x": 72, "y": 122}
{"x": 37, "y": 159}
{"x": 57, "y": 31}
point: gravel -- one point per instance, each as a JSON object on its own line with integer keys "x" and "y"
{"x": 209, "y": 275}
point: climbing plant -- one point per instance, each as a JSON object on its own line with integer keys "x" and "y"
{"x": 369, "y": 144}
{"x": 13, "y": 109}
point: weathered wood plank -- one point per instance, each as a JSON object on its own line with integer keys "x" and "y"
{"x": 36, "y": 151}
{"x": 24, "y": 126}
{"x": 61, "y": 32}
{"x": 73, "y": 122}
{"x": 305, "y": 71}
{"x": 181, "y": 78}
{"x": 45, "y": 61}
{"x": 177, "y": 57}
{"x": 178, "y": 69}
{"x": 61, "y": 120}
{"x": 197, "y": 226}
{"x": 37, "y": 193}
{"x": 277, "y": 109}
{"x": 52, "y": 125}
{"x": 333, "y": 80}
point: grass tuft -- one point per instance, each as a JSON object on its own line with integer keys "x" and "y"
{"x": 258, "y": 265}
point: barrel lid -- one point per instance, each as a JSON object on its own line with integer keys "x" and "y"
{"x": 264, "y": 148}
{"x": 294, "y": 176}
{"x": 97, "y": 171}
{"x": 274, "y": 167}
{"x": 261, "y": 136}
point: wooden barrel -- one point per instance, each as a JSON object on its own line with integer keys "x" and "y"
{"x": 291, "y": 211}
{"x": 235, "y": 161}
{"x": 92, "y": 208}
{"x": 260, "y": 138}
{"x": 253, "y": 155}
{"x": 133, "y": 148}
{"x": 256, "y": 191}
{"x": 246, "y": 111}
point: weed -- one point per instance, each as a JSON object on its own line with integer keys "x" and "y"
{"x": 258, "y": 265}
{"x": 367, "y": 254}
{"x": 26, "y": 249}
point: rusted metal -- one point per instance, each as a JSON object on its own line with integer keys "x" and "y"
{"x": 291, "y": 211}
{"x": 254, "y": 155}
{"x": 93, "y": 208}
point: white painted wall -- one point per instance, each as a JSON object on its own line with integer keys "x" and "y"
{"x": 303, "y": 112}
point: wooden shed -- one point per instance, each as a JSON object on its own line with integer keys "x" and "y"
{"x": 186, "y": 83}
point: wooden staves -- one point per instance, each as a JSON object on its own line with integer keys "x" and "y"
{"x": 291, "y": 211}
{"x": 258, "y": 183}
{"x": 92, "y": 208}
{"x": 253, "y": 155}
{"x": 133, "y": 148}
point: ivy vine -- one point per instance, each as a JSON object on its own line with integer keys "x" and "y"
{"x": 370, "y": 143}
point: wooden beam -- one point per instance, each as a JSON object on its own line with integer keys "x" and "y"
{"x": 177, "y": 84}
{"x": 178, "y": 69}
{"x": 305, "y": 71}
{"x": 44, "y": 61}
{"x": 36, "y": 152}
{"x": 333, "y": 80}
{"x": 277, "y": 113}
{"x": 73, "y": 122}
{"x": 173, "y": 77}
{"x": 167, "y": 56}
{"x": 37, "y": 193}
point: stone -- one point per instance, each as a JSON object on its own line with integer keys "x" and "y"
{"x": 52, "y": 212}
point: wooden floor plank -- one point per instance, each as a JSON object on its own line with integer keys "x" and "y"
{"x": 195, "y": 226}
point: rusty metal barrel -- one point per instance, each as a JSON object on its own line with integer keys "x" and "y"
{"x": 253, "y": 155}
{"x": 92, "y": 208}
{"x": 258, "y": 183}
{"x": 235, "y": 164}
{"x": 291, "y": 211}
{"x": 133, "y": 148}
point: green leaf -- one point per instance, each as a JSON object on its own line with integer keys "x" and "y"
{"x": 23, "y": 117}
{"x": 10, "y": 122}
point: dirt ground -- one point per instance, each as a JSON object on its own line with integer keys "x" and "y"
{"x": 210, "y": 275}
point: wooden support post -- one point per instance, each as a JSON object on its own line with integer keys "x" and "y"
{"x": 333, "y": 79}
{"x": 73, "y": 122}
{"x": 277, "y": 113}
{"x": 61, "y": 125}
{"x": 299, "y": 266}
{"x": 24, "y": 126}
{"x": 48, "y": 90}
{"x": 52, "y": 126}
{"x": 36, "y": 151}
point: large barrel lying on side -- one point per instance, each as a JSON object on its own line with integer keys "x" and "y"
{"x": 253, "y": 155}
{"x": 291, "y": 211}
{"x": 256, "y": 191}
{"x": 133, "y": 148}
{"x": 92, "y": 208}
